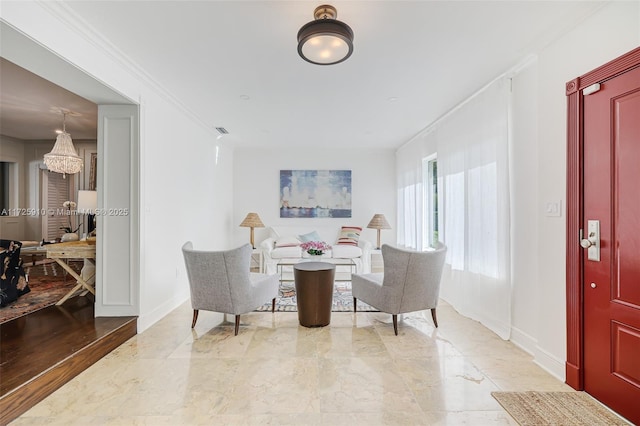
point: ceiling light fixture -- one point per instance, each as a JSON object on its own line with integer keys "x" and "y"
{"x": 63, "y": 158}
{"x": 325, "y": 41}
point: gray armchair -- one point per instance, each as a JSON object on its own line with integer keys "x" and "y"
{"x": 410, "y": 282}
{"x": 220, "y": 281}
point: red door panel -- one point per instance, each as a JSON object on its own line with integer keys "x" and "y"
{"x": 626, "y": 347}
{"x": 612, "y": 285}
{"x": 626, "y": 194}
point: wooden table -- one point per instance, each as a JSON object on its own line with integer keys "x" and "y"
{"x": 74, "y": 250}
{"x": 34, "y": 252}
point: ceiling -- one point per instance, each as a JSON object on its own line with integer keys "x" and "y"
{"x": 234, "y": 64}
{"x": 30, "y": 107}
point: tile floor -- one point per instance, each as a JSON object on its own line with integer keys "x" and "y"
{"x": 353, "y": 372}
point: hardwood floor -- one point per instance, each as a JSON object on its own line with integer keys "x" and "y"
{"x": 42, "y": 351}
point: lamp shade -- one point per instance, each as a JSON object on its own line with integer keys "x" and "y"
{"x": 87, "y": 202}
{"x": 378, "y": 221}
{"x": 252, "y": 221}
{"x": 325, "y": 41}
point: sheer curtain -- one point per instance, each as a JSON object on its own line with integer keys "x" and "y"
{"x": 473, "y": 192}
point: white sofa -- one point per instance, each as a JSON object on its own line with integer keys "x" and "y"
{"x": 272, "y": 254}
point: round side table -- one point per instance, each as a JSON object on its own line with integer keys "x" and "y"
{"x": 314, "y": 292}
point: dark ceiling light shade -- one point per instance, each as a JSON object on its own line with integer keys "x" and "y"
{"x": 325, "y": 41}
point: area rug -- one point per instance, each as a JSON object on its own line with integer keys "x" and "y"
{"x": 556, "y": 408}
{"x": 342, "y": 299}
{"x": 48, "y": 283}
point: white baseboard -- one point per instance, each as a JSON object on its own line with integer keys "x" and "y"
{"x": 148, "y": 319}
{"x": 523, "y": 340}
{"x": 548, "y": 362}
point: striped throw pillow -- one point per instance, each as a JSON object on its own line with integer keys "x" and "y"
{"x": 349, "y": 235}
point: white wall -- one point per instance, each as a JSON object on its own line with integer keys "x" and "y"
{"x": 186, "y": 197}
{"x": 540, "y": 170}
{"x": 256, "y": 179}
{"x": 181, "y": 195}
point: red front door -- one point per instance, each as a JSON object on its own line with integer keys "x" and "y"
{"x": 612, "y": 284}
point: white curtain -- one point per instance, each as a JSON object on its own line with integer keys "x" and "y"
{"x": 472, "y": 146}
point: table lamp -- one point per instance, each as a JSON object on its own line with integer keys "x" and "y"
{"x": 378, "y": 221}
{"x": 252, "y": 221}
{"x": 87, "y": 204}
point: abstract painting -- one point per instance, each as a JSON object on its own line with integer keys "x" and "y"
{"x": 315, "y": 193}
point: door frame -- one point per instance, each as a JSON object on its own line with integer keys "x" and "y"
{"x": 574, "y": 366}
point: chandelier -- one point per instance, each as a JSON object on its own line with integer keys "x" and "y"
{"x": 63, "y": 158}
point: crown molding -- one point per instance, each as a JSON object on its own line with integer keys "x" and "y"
{"x": 72, "y": 20}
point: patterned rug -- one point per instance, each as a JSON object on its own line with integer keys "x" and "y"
{"x": 556, "y": 408}
{"x": 48, "y": 283}
{"x": 342, "y": 299}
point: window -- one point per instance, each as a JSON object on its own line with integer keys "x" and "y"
{"x": 430, "y": 208}
{"x": 56, "y": 191}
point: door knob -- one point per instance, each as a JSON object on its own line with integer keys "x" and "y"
{"x": 593, "y": 285}
{"x": 586, "y": 243}
{"x": 589, "y": 241}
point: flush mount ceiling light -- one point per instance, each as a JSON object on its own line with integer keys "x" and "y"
{"x": 325, "y": 41}
{"x": 64, "y": 158}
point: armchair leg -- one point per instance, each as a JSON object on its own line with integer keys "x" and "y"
{"x": 395, "y": 324}
{"x": 237, "y": 324}
{"x": 355, "y": 305}
{"x": 195, "y": 318}
{"x": 273, "y": 305}
{"x": 433, "y": 315}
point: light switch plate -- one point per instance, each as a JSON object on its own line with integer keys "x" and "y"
{"x": 553, "y": 209}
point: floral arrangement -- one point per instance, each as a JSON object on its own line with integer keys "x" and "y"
{"x": 315, "y": 248}
{"x": 70, "y": 205}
